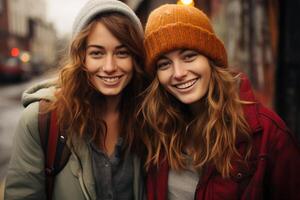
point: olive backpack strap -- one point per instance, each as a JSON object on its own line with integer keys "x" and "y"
{"x": 53, "y": 143}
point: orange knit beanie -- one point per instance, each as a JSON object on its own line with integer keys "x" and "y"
{"x": 173, "y": 26}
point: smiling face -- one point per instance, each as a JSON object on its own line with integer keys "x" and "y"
{"x": 185, "y": 74}
{"x": 108, "y": 61}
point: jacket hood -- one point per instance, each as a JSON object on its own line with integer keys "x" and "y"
{"x": 44, "y": 90}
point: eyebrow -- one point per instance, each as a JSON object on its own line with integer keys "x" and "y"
{"x": 180, "y": 52}
{"x": 184, "y": 50}
{"x": 101, "y": 47}
{"x": 162, "y": 57}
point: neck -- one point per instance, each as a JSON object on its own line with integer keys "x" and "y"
{"x": 196, "y": 107}
{"x": 112, "y": 104}
{"x": 111, "y": 118}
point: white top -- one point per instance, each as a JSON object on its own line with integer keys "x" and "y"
{"x": 182, "y": 184}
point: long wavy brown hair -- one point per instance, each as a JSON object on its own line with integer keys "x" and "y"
{"x": 169, "y": 127}
{"x": 79, "y": 105}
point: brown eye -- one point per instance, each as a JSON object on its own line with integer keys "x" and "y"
{"x": 96, "y": 54}
{"x": 189, "y": 57}
{"x": 124, "y": 53}
{"x": 161, "y": 65}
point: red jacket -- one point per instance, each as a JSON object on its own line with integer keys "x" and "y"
{"x": 273, "y": 171}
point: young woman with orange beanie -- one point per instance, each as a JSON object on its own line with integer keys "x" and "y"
{"x": 207, "y": 137}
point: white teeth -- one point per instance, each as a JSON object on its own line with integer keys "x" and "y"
{"x": 111, "y": 79}
{"x": 186, "y": 85}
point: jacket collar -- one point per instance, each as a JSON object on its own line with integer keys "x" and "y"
{"x": 81, "y": 167}
{"x": 251, "y": 109}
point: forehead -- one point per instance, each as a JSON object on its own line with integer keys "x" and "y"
{"x": 100, "y": 35}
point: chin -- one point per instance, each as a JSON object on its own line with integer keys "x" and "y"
{"x": 110, "y": 93}
{"x": 186, "y": 101}
{"x": 189, "y": 100}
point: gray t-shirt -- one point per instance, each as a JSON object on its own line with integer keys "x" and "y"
{"x": 113, "y": 175}
{"x": 182, "y": 184}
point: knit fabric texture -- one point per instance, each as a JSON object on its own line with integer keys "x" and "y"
{"x": 96, "y": 7}
{"x": 172, "y": 26}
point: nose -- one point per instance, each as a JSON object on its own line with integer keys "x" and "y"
{"x": 179, "y": 71}
{"x": 110, "y": 65}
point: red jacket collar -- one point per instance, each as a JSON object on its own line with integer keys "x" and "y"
{"x": 250, "y": 110}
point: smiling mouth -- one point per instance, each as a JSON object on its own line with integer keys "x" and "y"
{"x": 186, "y": 84}
{"x": 110, "y": 79}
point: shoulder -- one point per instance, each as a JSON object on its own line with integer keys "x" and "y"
{"x": 28, "y": 124}
{"x": 276, "y": 133}
{"x": 268, "y": 117}
{"x": 30, "y": 114}
{"x": 25, "y": 175}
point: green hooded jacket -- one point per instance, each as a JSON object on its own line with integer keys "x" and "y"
{"x": 26, "y": 178}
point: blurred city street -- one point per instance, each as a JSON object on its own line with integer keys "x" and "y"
{"x": 11, "y": 108}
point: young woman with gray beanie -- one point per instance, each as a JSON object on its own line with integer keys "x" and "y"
{"x": 94, "y": 100}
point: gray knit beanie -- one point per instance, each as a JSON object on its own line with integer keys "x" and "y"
{"x": 96, "y": 7}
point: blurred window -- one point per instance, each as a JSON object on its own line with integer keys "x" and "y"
{"x": 1, "y": 5}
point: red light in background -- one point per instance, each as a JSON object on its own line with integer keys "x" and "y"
{"x": 15, "y": 52}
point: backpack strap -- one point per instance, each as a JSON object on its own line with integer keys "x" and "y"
{"x": 53, "y": 142}
{"x": 43, "y": 123}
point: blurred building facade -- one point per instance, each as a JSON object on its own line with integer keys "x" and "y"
{"x": 262, "y": 40}
{"x": 23, "y": 26}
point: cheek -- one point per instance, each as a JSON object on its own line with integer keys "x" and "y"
{"x": 206, "y": 73}
{"x": 91, "y": 65}
{"x": 207, "y": 79}
{"x": 162, "y": 77}
{"x": 130, "y": 75}
{"x": 126, "y": 65}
